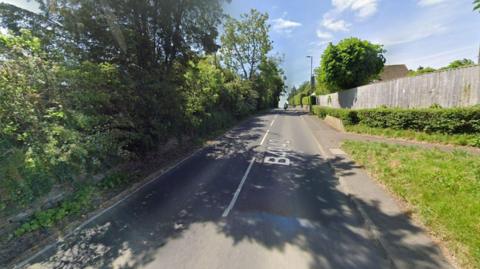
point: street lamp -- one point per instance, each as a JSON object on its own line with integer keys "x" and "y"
{"x": 311, "y": 65}
{"x": 312, "y": 81}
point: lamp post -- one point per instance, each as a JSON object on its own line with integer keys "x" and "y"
{"x": 312, "y": 81}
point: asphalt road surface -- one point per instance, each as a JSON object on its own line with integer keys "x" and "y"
{"x": 263, "y": 196}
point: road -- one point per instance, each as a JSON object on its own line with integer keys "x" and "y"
{"x": 262, "y": 196}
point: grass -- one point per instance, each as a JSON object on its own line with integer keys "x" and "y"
{"x": 472, "y": 140}
{"x": 442, "y": 189}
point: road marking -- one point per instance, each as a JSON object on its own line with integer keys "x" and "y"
{"x": 264, "y": 137}
{"x": 239, "y": 189}
{"x": 273, "y": 121}
{"x": 277, "y": 150}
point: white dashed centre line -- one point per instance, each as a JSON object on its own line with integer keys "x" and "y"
{"x": 239, "y": 189}
{"x": 264, "y": 137}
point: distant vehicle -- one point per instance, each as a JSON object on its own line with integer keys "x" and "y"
{"x": 285, "y": 106}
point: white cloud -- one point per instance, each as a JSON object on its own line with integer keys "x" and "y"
{"x": 335, "y": 25}
{"x": 425, "y": 3}
{"x": 362, "y": 8}
{"x": 281, "y": 25}
{"x": 409, "y": 35}
{"x": 324, "y": 35}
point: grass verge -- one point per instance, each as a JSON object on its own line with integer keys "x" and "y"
{"x": 472, "y": 140}
{"x": 442, "y": 189}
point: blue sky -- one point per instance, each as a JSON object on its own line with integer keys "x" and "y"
{"x": 414, "y": 32}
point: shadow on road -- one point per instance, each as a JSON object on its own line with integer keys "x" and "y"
{"x": 299, "y": 206}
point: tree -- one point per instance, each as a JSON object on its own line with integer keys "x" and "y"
{"x": 150, "y": 34}
{"x": 49, "y": 32}
{"x": 293, "y": 91}
{"x": 270, "y": 83}
{"x": 351, "y": 63}
{"x": 476, "y": 4}
{"x": 245, "y": 43}
{"x": 421, "y": 71}
{"x": 455, "y": 64}
{"x": 460, "y": 63}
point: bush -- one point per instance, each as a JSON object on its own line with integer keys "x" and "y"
{"x": 297, "y": 99}
{"x": 348, "y": 116}
{"x": 309, "y": 100}
{"x": 76, "y": 204}
{"x": 449, "y": 121}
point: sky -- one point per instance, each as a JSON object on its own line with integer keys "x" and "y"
{"x": 414, "y": 32}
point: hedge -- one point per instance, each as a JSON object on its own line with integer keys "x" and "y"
{"x": 447, "y": 120}
{"x": 297, "y": 99}
{"x": 349, "y": 117}
{"x": 309, "y": 100}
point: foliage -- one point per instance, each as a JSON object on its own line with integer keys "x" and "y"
{"x": 472, "y": 140}
{"x": 245, "y": 43}
{"x": 78, "y": 203}
{"x": 113, "y": 180}
{"x": 349, "y": 117}
{"x": 421, "y": 71}
{"x": 141, "y": 34}
{"x": 293, "y": 91}
{"x": 296, "y": 96}
{"x": 450, "y": 121}
{"x": 49, "y": 134}
{"x": 442, "y": 189}
{"x": 430, "y": 120}
{"x": 309, "y": 100}
{"x": 297, "y": 99}
{"x": 269, "y": 83}
{"x": 460, "y": 63}
{"x": 245, "y": 51}
{"x": 80, "y": 96}
{"x": 455, "y": 64}
{"x": 476, "y": 4}
{"x": 350, "y": 63}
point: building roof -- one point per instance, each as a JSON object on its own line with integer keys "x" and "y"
{"x": 393, "y": 72}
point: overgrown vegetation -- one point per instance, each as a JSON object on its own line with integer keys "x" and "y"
{"x": 443, "y": 189}
{"x": 78, "y": 203}
{"x": 80, "y": 96}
